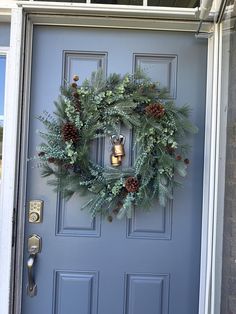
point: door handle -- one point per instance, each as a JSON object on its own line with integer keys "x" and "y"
{"x": 34, "y": 247}
{"x": 31, "y": 287}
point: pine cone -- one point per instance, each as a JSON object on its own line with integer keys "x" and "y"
{"x": 131, "y": 184}
{"x": 78, "y": 105}
{"x": 75, "y": 95}
{"x": 73, "y": 85}
{"x": 75, "y": 78}
{"x": 155, "y": 110}
{"x": 69, "y": 132}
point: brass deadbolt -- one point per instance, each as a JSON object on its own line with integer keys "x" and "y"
{"x": 35, "y": 211}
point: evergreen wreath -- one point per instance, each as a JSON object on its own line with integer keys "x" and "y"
{"x": 97, "y": 109}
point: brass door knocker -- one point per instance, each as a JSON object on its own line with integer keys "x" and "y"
{"x": 118, "y": 150}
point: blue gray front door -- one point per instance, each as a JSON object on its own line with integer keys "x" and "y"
{"x": 146, "y": 265}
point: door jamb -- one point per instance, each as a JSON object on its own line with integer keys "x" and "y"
{"x": 210, "y": 163}
{"x": 214, "y": 174}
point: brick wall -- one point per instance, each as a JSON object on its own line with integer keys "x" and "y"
{"x": 228, "y": 299}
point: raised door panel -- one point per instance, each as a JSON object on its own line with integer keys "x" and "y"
{"x": 74, "y": 222}
{"x": 75, "y": 292}
{"x": 146, "y": 293}
{"x": 161, "y": 68}
{"x": 71, "y": 221}
{"x": 84, "y": 63}
{"x": 155, "y": 224}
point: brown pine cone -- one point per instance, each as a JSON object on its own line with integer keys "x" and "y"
{"x": 131, "y": 184}
{"x": 78, "y": 105}
{"x": 75, "y": 95}
{"x": 69, "y": 132}
{"x": 75, "y": 78}
{"x": 155, "y": 110}
{"x": 73, "y": 85}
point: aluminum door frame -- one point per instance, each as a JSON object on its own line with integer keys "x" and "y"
{"x": 16, "y": 185}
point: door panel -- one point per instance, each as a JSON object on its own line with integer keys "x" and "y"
{"x": 75, "y": 288}
{"x": 145, "y": 265}
{"x": 146, "y": 294}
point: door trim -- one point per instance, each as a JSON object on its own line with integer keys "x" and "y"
{"x": 8, "y": 201}
{"x": 214, "y": 175}
{"x": 116, "y": 16}
{"x": 19, "y": 68}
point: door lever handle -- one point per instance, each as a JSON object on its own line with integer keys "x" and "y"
{"x": 31, "y": 287}
{"x": 34, "y": 247}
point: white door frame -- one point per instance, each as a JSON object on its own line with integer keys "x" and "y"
{"x": 30, "y": 13}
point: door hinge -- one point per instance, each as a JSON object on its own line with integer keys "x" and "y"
{"x": 14, "y": 227}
